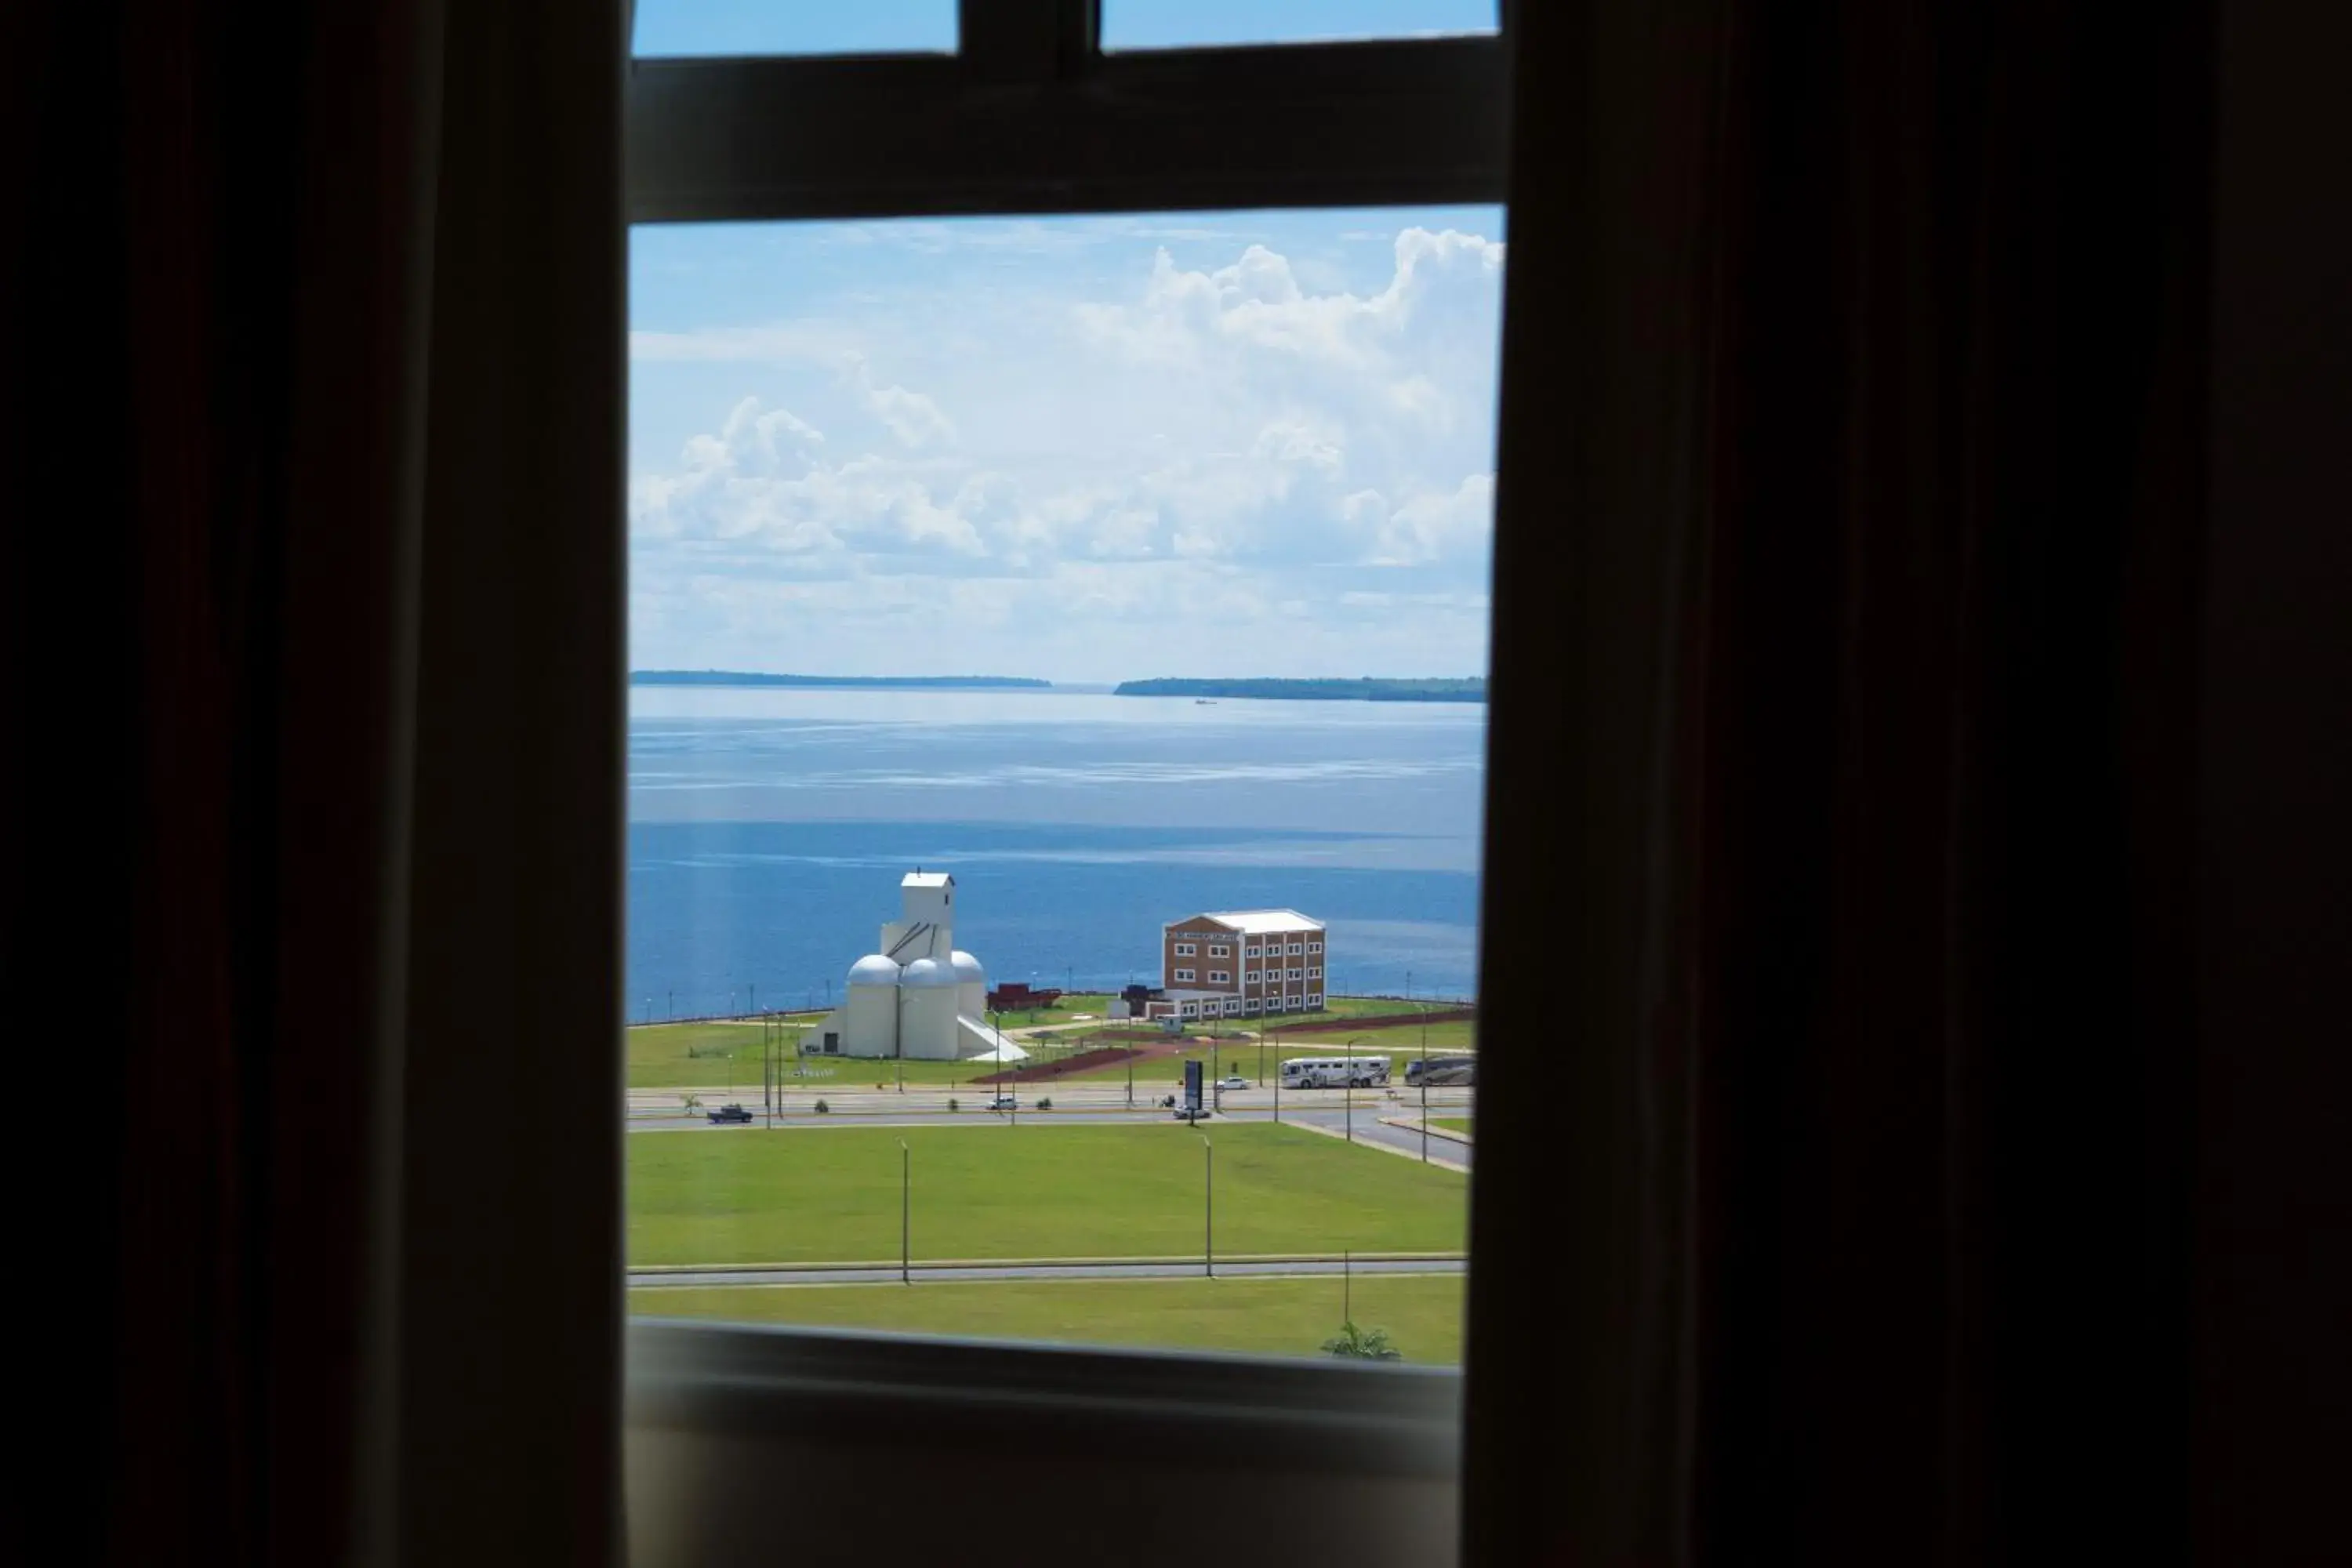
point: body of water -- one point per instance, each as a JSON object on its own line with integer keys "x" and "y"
{"x": 768, "y": 829}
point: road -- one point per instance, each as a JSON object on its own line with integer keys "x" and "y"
{"x": 931, "y": 1274}
{"x": 1324, "y": 1109}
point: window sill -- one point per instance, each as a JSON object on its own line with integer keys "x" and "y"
{"x": 742, "y": 1440}
{"x": 1304, "y": 1415}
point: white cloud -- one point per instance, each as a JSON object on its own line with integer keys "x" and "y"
{"x": 1233, "y": 442}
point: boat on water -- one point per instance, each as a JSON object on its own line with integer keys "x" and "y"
{"x": 1204, "y": 702}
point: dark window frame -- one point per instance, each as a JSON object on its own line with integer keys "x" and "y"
{"x": 1031, "y": 117}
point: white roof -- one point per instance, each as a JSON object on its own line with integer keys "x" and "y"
{"x": 1257, "y": 923}
{"x": 926, "y": 879}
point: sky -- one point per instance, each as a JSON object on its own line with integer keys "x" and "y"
{"x": 837, "y": 26}
{"x": 1084, "y": 449}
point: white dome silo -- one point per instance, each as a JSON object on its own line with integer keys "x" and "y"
{"x": 972, "y": 984}
{"x": 928, "y": 1028}
{"x": 872, "y": 1023}
{"x": 873, "y": 969}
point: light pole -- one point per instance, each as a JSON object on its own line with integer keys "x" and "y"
{"x": 1424, "y": 1082}
{"x": 1011, "y": 1085}
{"x": 1348, "y": 1077}
{"x": 1209, "y": 1206}
{"x": 905, "y": 1211}
{"x": 1278, "y": 1071}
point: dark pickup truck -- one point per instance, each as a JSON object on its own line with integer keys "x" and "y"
{"x": 730, "y": 1113}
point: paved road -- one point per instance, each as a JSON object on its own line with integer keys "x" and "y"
{"x": 1364, "y": 1123}
{"x": 925, "y": 1275}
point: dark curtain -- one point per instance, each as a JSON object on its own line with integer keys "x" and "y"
{"x": 311, "y": 445}
{"x": 1851, "y": 498}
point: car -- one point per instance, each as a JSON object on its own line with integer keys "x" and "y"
{"x": 1005, "y": 1103}
{"x": 1186, "y": 1113}
{"x": 1234, "y": 1081}
{"x": 730, "y": 1113}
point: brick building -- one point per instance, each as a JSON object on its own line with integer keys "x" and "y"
{"x": 1239, "y": 964}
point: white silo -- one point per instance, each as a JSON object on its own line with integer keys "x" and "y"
{"x": 972, "y": 985}
{"x": 927, "y": 1027}
{"x": 871, "y": 1017}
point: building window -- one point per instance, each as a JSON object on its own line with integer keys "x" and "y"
{"x": 1313, "y": 947}
{"x": 1184, "y": 950}
{"x": 1218, "y": 977}
{"x": 1184, "y": 974}
{"x": 1313, "y": 972}
{"x": 1296, "y": 950}
{"x": 1250, "y": 952}
{"x": 1217, "y": 951}
{"x": 1292, "y": 975}
{"x": 1315, "y": 999}
{"x": 1252, "y": 1005}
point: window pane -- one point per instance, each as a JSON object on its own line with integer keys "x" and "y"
{"x": 1178, "y": 23}
{"x": 940, "y": 909}
{"x": 795, "y": 28}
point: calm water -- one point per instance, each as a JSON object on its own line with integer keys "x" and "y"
{"x": 768, "y": 829}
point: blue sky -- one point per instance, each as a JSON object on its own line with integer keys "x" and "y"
{"x": 802, "y": 26}
{"x": 1084, "y": 450}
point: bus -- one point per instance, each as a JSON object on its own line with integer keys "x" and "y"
{"x": 1437, "y": 1070}
{"x": 1335, "y": 1072}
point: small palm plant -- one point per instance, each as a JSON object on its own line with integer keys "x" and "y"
{"x": 689, "y": 1104}
{"x": 1352, "y": 1343}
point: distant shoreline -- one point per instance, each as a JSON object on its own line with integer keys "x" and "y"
{"x": 859, "y": 682}
{"x": 1366, "y": 688}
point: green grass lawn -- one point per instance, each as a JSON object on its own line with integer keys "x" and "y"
{"x": 1423, "y": 1313}
{"x": 705, "y": 1055}
{"x": 1164, "y": 1073}
{"x": 1452, "y": 1123}
{"x": 993, "y": 1190}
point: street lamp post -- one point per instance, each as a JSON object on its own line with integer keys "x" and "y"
{"x": 996, "y": 1021}
{"x": 1347, "y": 1078}
{"x": 1424, "y": 1083}
{"x": 905, "y": 1211}
{"x": 1209, "y": 1206}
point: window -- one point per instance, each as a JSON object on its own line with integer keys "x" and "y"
{"x": 1293, "y": 974}
{"x": 1313, "y": 947}
{"x": 1218, "y": 977}
{"x": 698, "y": 28}
{"x": 1216, "y": 951}
{"x": 822, "y": 488}
{"x": 1313, "y": 972}
{"x": 1315, "y": 999}
{"x": 1177, "y": 23}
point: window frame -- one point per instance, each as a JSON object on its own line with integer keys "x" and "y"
{"x": 1030, "y": 117}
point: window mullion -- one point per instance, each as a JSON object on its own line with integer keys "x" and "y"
{"x": 1027, "y": 40}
